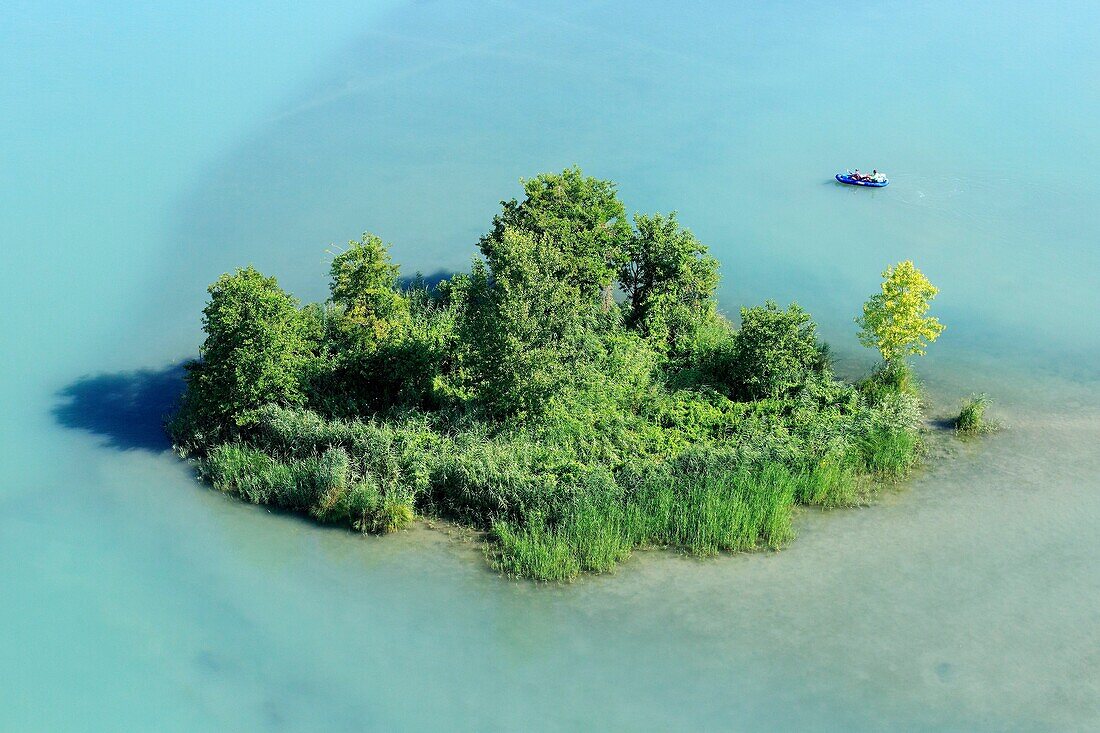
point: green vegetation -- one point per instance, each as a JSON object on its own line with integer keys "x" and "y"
{"x": 971, "y": 419}
{"x": 527, "y": 400}
{"x": 894, "y": 321}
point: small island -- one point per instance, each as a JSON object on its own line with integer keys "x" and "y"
{"x": 576, "y": 395}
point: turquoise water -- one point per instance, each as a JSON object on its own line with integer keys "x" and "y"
{"x": 148, "y": 149}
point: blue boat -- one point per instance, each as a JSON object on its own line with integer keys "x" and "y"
{"x": 848, "y": 179}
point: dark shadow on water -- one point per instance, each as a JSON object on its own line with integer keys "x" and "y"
{"x": 431, "y": 282}
{"x": 126, "y": 409}
{"x": 942, "y": 423}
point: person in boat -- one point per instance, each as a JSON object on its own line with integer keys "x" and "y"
{"x": 859, "y": 176}
{"x": 876, "y": 176}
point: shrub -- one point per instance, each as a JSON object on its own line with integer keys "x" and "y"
{"x": 889, "y": 379}
{"x": 775, "y": 351}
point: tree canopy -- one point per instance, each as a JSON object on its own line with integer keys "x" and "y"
{"x": 525, "y": 329}
{"x": 669, "y": 281}
{"x": 254, "y": 353}
{"x": 894, "y": 320}
{"x": 580, "y": 215}
{"x": 364, "y": 286}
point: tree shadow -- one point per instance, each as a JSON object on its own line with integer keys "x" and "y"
{"x": 431, "y": 282}
{"x": 126, "y": 409}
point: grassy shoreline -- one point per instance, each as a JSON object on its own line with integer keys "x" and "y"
{"x": 537, "y": 527}
{"x": 524, "y": 401}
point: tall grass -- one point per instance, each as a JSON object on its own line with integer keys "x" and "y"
{"x": 831, "y": 483}
{"x": 971, "y": 419}
{"x": 889, "y": 454}
{"x": 246, "y": 472}
{"x": 694, "y": 471}
{"x": 321, "y": 485}
{"x": 536, "y": 551}
{"x": 553, "y": 514}
{"x": 719, "y": 511}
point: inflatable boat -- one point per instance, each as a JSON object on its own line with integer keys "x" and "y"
{"x": 849, "y": 179}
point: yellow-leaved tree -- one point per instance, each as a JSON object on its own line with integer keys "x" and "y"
{"x": 894, "y": 321}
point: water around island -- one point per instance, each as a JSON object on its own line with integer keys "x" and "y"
{"x": 146, "y": 151}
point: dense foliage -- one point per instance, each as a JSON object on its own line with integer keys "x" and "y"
{"x": 256, "y": 349}
{"x": 526, "y": 399}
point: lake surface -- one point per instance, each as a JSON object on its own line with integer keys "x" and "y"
{"x": 144, "y": 150}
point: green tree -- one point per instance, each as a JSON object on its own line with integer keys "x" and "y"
{"x": 894, "y": 320}
{"x": 255, "y": 349}
{"x": 525, "y": 330}
{"x": 579, "y": 215}
{"x": 669, "y": 280}
{"x": 387, "y": 346}
{"x": 364, "y": 285}
{"x": 775, "y": 351}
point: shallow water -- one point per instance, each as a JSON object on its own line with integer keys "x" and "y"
{"x": 146, "y": 151}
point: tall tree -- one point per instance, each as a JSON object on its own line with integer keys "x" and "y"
{"x": 579, "y": 215}
{"x": 525, "y": 329}
{"x": 254, "y": 352}
{"x": 894, "y": 320}
{"x": 669, "y": 280}
{"x": 364, "y": 285}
